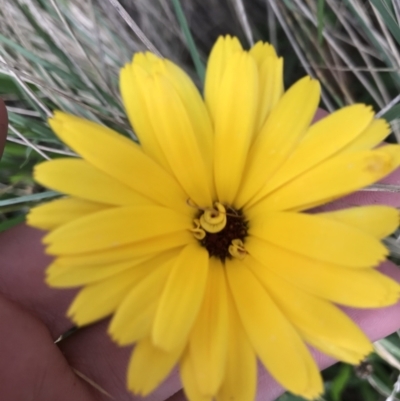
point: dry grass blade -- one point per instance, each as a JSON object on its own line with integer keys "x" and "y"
{"x": 135, "y": 28}
{"x": 28, "y": 143}
{"x": 93, "y": 384}
{"x": 243, "y": 19}
{"x": 285, "y": 26}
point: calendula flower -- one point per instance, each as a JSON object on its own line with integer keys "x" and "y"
{"x": 198, "y": 241}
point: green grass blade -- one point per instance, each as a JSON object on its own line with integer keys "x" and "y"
{"x": 388, "y": 17}
{"x": 189, "y": 39}
{"x": 393, "y": 113}
{"x": 29, "y": 198}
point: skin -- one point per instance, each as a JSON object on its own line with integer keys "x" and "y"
{"x": 32, "y": 316}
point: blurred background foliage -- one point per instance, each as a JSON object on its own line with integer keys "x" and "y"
{"x": 60, "y": 54}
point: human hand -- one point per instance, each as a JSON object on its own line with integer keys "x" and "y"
{"x": 32, "y": 316}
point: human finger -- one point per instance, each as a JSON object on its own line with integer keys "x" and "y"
{"x": 92, "y": 352}
{"x": 31, "y": 366}
{"x": 22, "y": 268}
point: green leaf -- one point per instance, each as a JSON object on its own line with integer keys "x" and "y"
{"x": 7, "y": 85}
{"x": 7, "y": 224}
{"x": 340, "y": 381}
{"x": 388, "y": 17}
{"x": 393, "y": 113}
{"x": 189, "y": 39}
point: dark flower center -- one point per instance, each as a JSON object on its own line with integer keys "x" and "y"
{"x": 227, "y": 242}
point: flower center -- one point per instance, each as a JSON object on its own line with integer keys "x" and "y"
{"x": 222, "y": 231}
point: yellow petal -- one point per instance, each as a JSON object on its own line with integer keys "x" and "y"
{"x": 322, "y": 140}
{"x": 240, "y": 377}
{"x": 181, "y": 298}
{"x": 220, "y": 54}
{"x": 98, "y": 300}
{"x": 176, "y": 136}
{"x": 271, "y": 88}
{"x": 73, "y": 276}
{"x": 78, "y": 178}
{"x": 334, "y": 178}
{"x": 195, "y": 107}
{"x": 189, "y": 380}
{"x": 376, "y": 220}
{"x": 362, "y": 288}
{"x": 134, "y": 84}
{"x": 61, "y": 211}
{"x": 134, "y": 317}
{"x": 319, "y": 322}
{"x": 208, "y": 345}
{"x": 131, "y": 83}
{"x": 128, "y": 252}
{"x": 262, "y": 51}
{"x": 271, "y": 334}
{"x": 149, "y": 366}
{"x": 234, "y": 123}
{"x": 319, "y": 238}
{"x": 113, "y": 228}
{"x": 372, "y": 136}
{"x": 280, "y": 134}
{"x": 147, "y": 60}
{"x": 270, "y": 71}
{"x": 120, "y": 158}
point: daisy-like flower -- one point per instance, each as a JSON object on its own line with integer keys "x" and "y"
{"x": 198, "y": 241}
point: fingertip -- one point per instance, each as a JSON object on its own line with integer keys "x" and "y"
{"x": 319, "y": 115}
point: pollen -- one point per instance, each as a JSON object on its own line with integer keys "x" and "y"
{"x": 222, "y": 231}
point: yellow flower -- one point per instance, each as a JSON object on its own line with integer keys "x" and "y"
{"x": 197, "y": 241}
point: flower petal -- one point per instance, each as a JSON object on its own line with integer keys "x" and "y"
{"x": 271, "y": 88}
{"x": 134, "y": 317}
{"x": 176, "y": 135}
{"x": 113, "y": 228}
{"x": 327, "y": 328}
{"x": 61, "y": 211}
{"x": 73, "y": 276}
{"x": 362, "y": 288}
{"x": 149, "y": 366}
{"x": 129, "y": 252}
{"x": 376, "y": 220}
{"x": 322, "y": 140}
{"x": 279, "y": 136}
{"x": 98, "y": 300}
{"x": 220, "y": 54}
{"x": 234, "y": 123}
{"x": 195, "y": 107}
{"x": 133, "y": 90}
{"x": 120, "y": 158}
{"x": 334, "y": 178}
{"x": 318, "y": 238}
{"x": 181, "y": 299}
{"x": 372, "y": 136}
{"x": 240, "y": 377}
{"x": 270, "y": 71}
{"x": 189, "y": 380}
{"x": 261, "y": 51}
{"x": 272, "y": 336}
{"x": 207, "y": 341}
{"x": 78, "y": 178}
